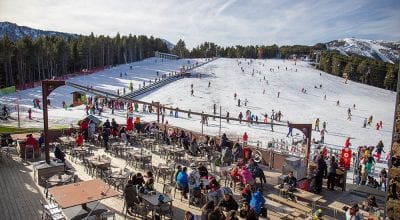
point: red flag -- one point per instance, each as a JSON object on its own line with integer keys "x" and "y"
{"x": 345, "y": 158}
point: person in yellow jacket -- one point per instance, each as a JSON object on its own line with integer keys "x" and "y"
{"x": 317, "y": 124}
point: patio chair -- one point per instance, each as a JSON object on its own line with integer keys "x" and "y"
{"x": 86, "y": 165}
{"x": 52, "y": 211}
{"x": 132, "y": 203}
{"x": 107, "y": 215}
{"x": 177, "y": 187}
{"x": 165, "y": 210}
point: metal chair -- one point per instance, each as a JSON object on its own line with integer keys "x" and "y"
{"x": 52, "y": 212}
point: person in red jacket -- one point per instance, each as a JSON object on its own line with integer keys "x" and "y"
{"x": 245, "y": 138}
{"x": 377, "y": 126}
{"x": 129, "y": 124}
{"x": 246, "y": 153}
{"x": 30, "y": 140}
{"x": 79, "y": 139}
{"x": 84, "y": 128}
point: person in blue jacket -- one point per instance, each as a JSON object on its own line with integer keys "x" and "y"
{"x": 257, "y": 202}
{"x": 182, "y": 181}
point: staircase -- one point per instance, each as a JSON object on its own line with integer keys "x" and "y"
{"x": 162, "y": 82}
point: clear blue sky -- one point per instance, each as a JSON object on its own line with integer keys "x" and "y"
{"x": 228, "y": 22}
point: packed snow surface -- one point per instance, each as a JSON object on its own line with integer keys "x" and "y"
{"x": 226, "y": 78}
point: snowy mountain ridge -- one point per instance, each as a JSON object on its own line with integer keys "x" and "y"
{"x": 386, "y": 51}
{"x": 16, "y": 32}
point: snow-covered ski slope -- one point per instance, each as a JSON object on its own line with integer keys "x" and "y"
{"x": 227, "y": 78}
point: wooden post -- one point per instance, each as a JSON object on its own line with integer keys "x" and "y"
{"x": 47, "y": 87}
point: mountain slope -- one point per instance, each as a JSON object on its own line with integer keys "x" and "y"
{"x": 16, "y": 32}
{"x": 386, "y": 51}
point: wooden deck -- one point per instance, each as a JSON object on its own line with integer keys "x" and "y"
{"x": 20, "y": 196}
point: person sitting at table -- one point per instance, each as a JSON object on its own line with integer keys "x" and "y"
{"x": 318, "y": 215}
{"x": 290, "y": 180}
{"x": 194, "y": 147}
{"x": 246, "y": 176}
{"x": 131, "y": 195}
{"x": 178, "y": 170}
{"x": 257, "y": 203}
{"x": 246, "y": 193}
{"x": 353, "y": 213}
{"x": 207, "y": 209}
{"x": 246, "y": 212}
{"x": 228, "y": 203}
{"x": 137, "y": 179}
{"x": 149, "y": 181}
{"x": 213, "y": 185}
{"x": 79, "y": 139}
{"x": 182, "y": 182}
{"x": 190, "y": 216}
{"x": 59, "y": 154}
{"x": 256, "y": 171}
{"x": 369, "y": 204}
{"x": 290, "y": 183}
{"x": 231, "y": 215}
{"x": 194, "y": 174}
{"x": 203, "y": 171}
{"x": 216, "y": 214}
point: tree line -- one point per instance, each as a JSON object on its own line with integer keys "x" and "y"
{"x": 28, "y": 60}
{"x": 360, "y": 69}
{"x": 354, "y": 67}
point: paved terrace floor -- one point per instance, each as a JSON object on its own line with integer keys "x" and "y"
{"x": 20, "y": 195}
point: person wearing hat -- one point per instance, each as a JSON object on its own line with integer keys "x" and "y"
{"x": 257, "y": 202}
{"x": 317, "y": 215}
{"x": 353, "y": 213}
{"x": 228, "y": 203}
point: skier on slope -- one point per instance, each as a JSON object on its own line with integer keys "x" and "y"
{"x": 234, "y": 96}
{"x": 290, "y": 130}
{"x": 349, "y": 114}
{"x": 365, "y": 123}
{"x": 240, "y": 117}
{"x": 322, "y": 133}
{"x": 265, "y": 118}
{"x": 238, "y": 102}
{"x": 369, "y": 120}
{"x": 317, "y": 124}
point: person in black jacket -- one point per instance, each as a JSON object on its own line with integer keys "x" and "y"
{"x": 203, "y": 171}
{"x": 321, "y": 173}
{"x": 228, "y": 203}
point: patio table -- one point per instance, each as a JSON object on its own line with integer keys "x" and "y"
{"x": 81, "y": 193}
